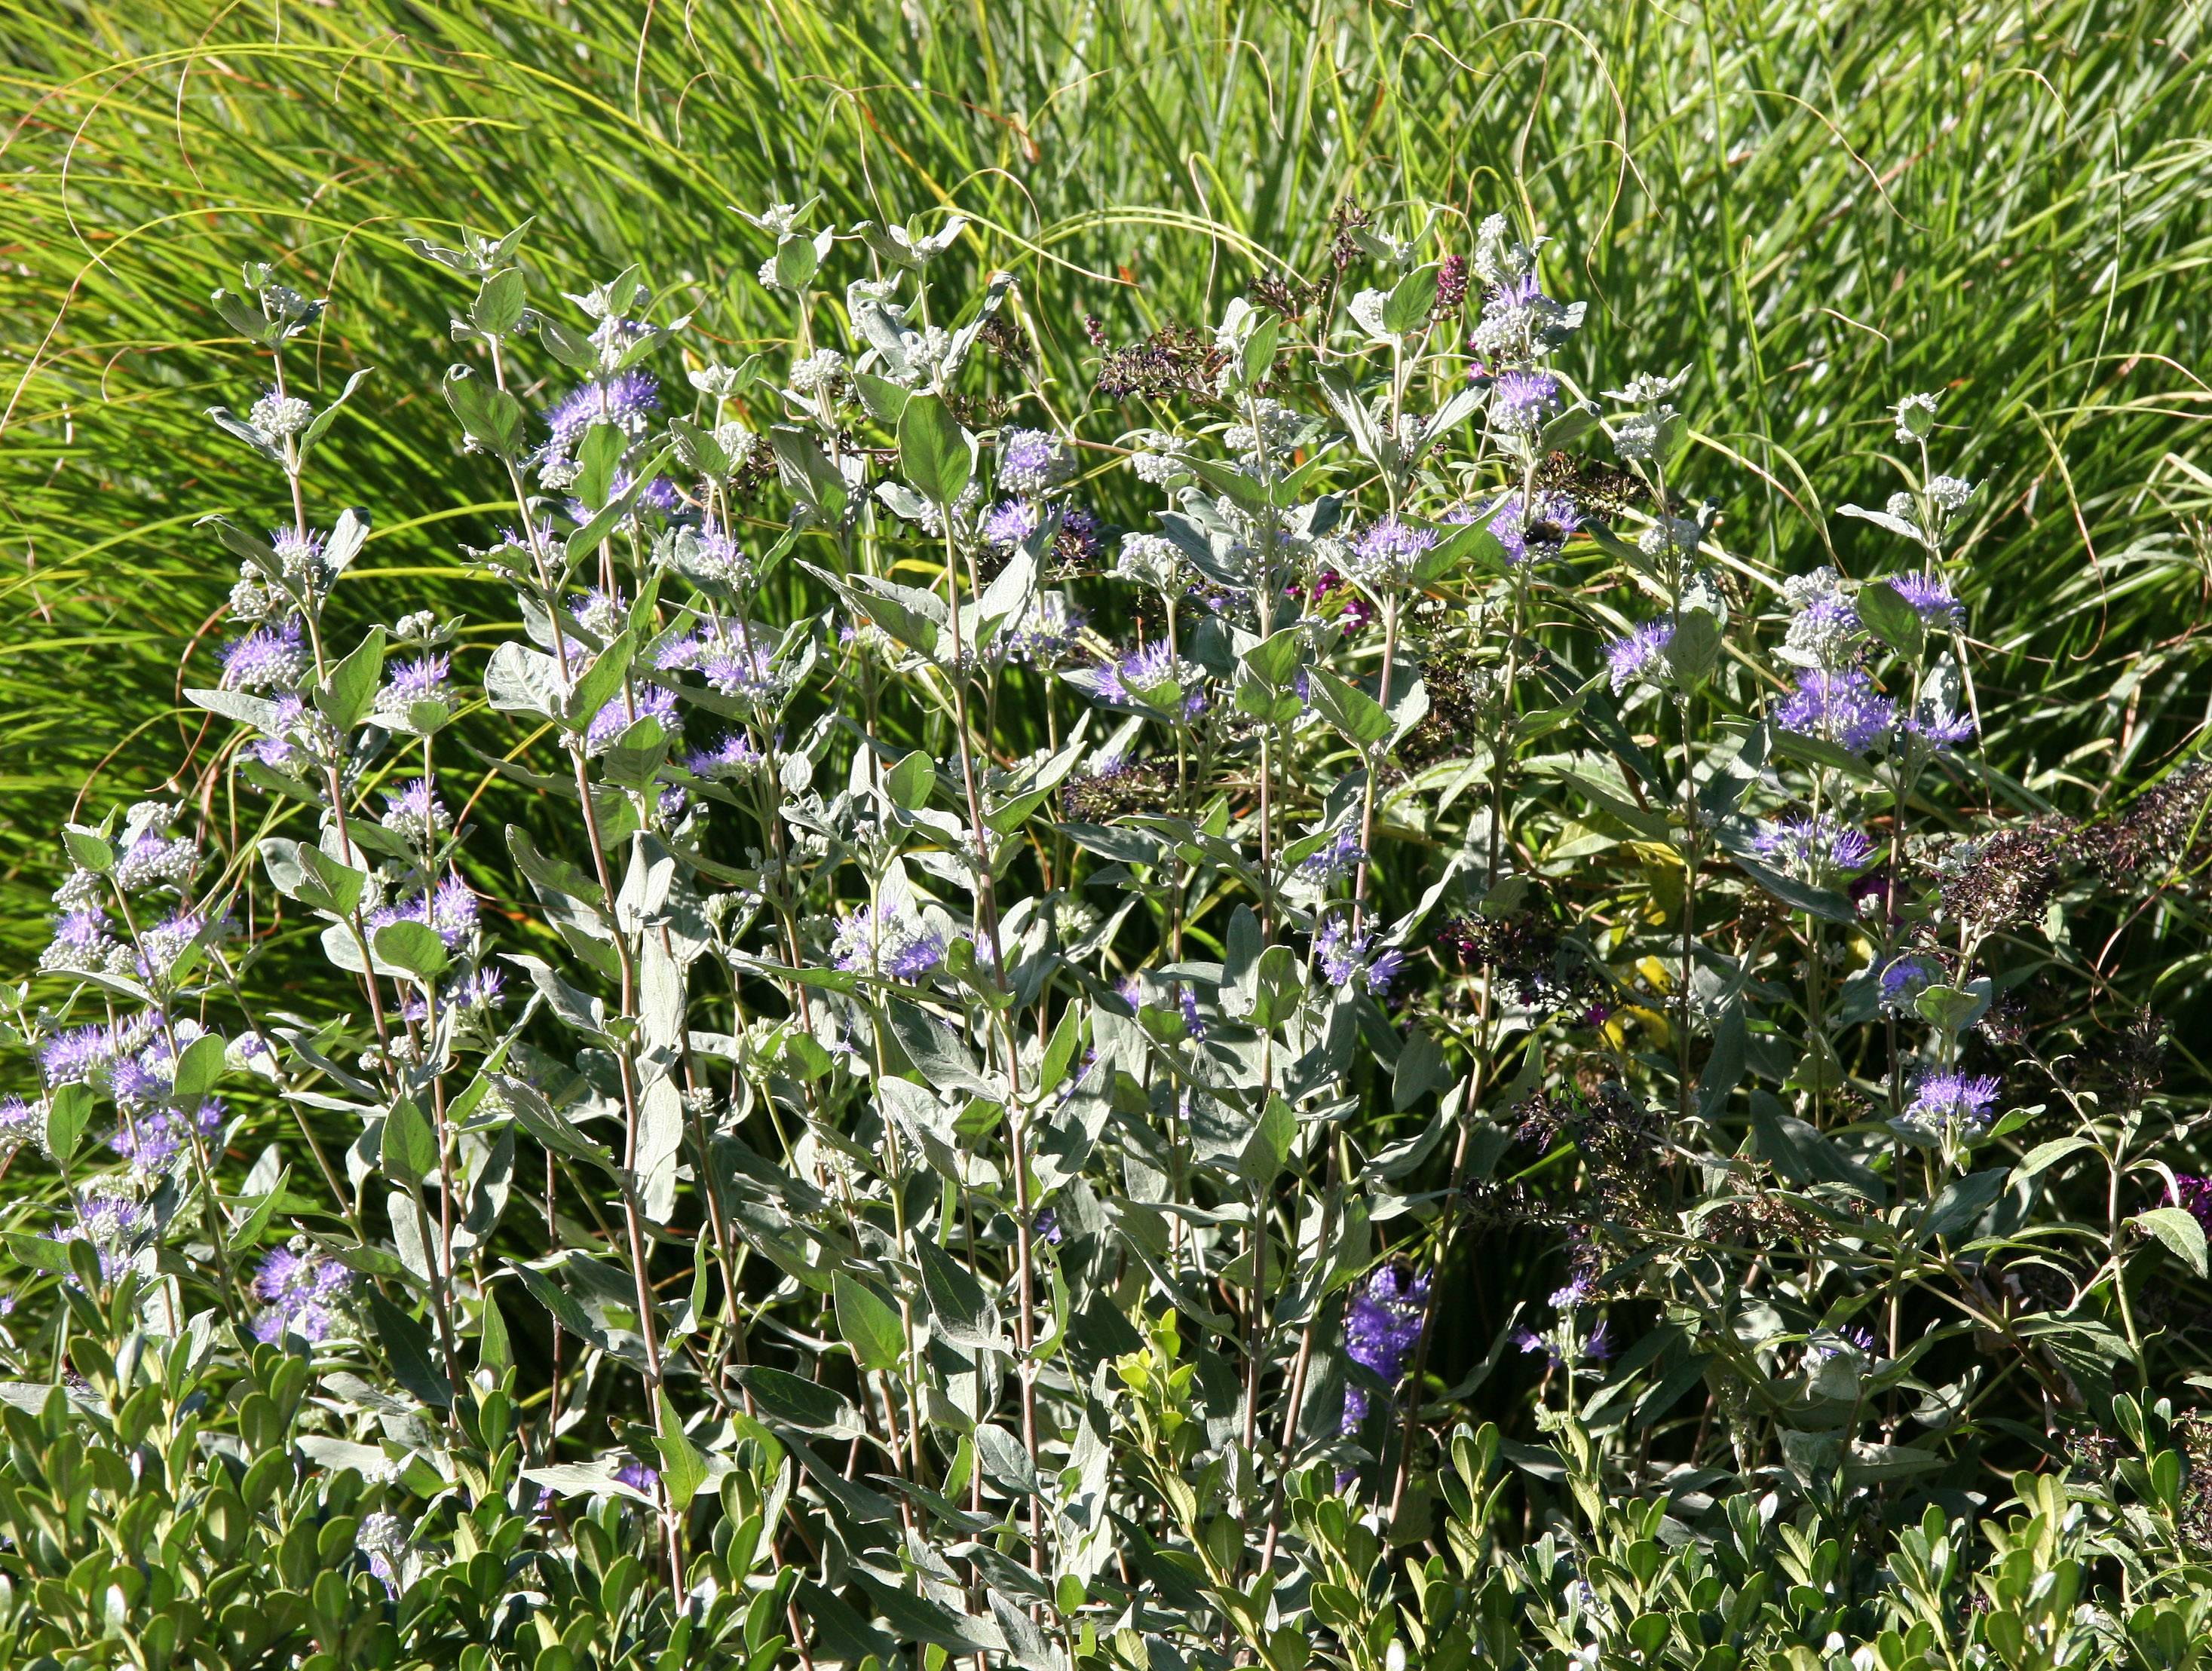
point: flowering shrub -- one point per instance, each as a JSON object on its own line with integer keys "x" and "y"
{"x": 962, "y": 1103}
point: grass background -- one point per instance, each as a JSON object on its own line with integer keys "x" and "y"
{"x": 1815, "y": 208}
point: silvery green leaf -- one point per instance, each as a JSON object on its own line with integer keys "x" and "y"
{"x": 1883, "y": 519}
{"x": 521, "y": 680}
{"x": 323, "y": 420}
{"x": 936, "y": 455}
{"x": 252, "y": 435}
{"x": 964, "y": 339}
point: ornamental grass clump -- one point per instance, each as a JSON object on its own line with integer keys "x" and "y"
{"x": 918, "y": 1043}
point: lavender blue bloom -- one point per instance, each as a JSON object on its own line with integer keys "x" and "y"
{"x": 655, "y": 701}
{"x": 302, "y": 1290}
{"x": 1533, "y": 533}
{"x": 1812, "y": 848}
{"x": 1930, "y": 598}
{"x": 1520, "y": 400}
{"x": 266, "y": 659}
{"x": 887, "y": 944}
{"x": 1640, "y": 654}
{"x": 627, "y": 399}
{"x": 1840, "y": 707}
{"x": 1385, "y": 556}
{"x": 1382, "y": 1325}
{"x": 1946, "y": 1097}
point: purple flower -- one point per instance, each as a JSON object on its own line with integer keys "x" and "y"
{"x": 1577, "y": 1292}
{"x": 74, "y": 1057}
{"x": 301, "y": 554}
{"x": 1528, "y": 1340}
{"x": 886, "y": 943}
{"x": 21, "y": 1122}
{"x": 156, "y": 1136}
{"x": 1341, "y": 854}
{"x": 629, "y": 399}
{"x": 1343, "y": 959}
{"x": 384, "y": 1544}
{"x": 266, "y": 659}
{"x": 1046, "y": 1227}
{"x": 1532, "y": 538}
{"x": 1385, "y": 556}
{"x": 81, "y": 930}
{"x": 453, "y": 910}
{"x": 423, "y": 680}
{"x": 479, "y": 991}
{"x": 637, "y": 1476}
{"x": 597, "y": 611}
{"x": 152, "y": 860}
{"x": 1947, "y": 1097}
{"x": 1841, "y": 707}
{"x": 1937, "y": 726}
{"x": 1029, "y": 462}
{"x": 302, "y": 1289}
{"x": 1010, "y": 522}
{"x": 277, "y": 751}
{"x": 1383, "y": 973}
{"x": 1520, "y": 400}
{"x": 1382, "y": 1325}
{"x": 110, "y": 1218}
{"x": 1187, "y": 1001}
{"x": 415, "y": 812}
{"x": 733, "y": 757}
{"x": 420, "y": 680}
{"x": 655, "y": 701}
{"x": 1906, "y": 977}
{"x": 1812, "y": 848}
{"x": 1149, "y": 677}
{"x": 1638, "y": 655}
{"x": 1930, "y": 598}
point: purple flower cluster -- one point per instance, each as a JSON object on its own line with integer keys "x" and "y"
{"x": 1011, "y": 521}
{"x": 1148, "y": 677}
{"x": 1812, "y": 848}
{"x": 1030, "y": 462}
{"x": 1339, "y": 858}
{"x": 887, "y": 944}
{"x": 112, "y": 1220}
{"x": 733, "y": 757}
{"x": 1905, "y": 976}
{"x": 1520, "y": 399}
{"x": 450, "y": 908}
{"x": 21, "y": 1122}
{"x": 1946, "y": 1097}
{"x": 1382, "y": 1325}
{"x": 1535, "y": 531}
{"x": 627, "y": 399}
{"x": 302, "y": 1290}
{"x": 74, "y": 1056}
{"x": 1342, "y": 955}
{"x": 1839, "y": 708}
{"x": 153, "y": 1138}
{"x": 266, "y": 659}
{"x": 1930, "y": 598}
{"x": 1385, "y": 556}
{"x": 655, "y": 701}
{"x": 1640, "y": 654}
